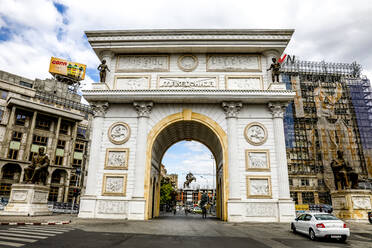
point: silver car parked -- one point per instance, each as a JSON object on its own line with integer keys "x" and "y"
{"x": 320, "y": 225}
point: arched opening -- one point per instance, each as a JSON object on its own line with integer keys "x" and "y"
{"x": 175, "y": 128}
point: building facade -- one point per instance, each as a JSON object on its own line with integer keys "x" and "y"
{"x": 165, "y": 86}
{"x": 43, "y": 113}
{"x": 331, "y": 112}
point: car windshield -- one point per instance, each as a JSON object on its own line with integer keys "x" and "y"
{"x": 325, "y": 217}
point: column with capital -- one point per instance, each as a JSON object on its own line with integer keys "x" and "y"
{"x": 143, "y": 110}
{"x": 88, "y": 200}
{"x": 231, "y": 110}
{"x": 286, "y": 205}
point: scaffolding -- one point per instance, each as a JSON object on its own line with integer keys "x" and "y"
{"x": 332, "y": 111}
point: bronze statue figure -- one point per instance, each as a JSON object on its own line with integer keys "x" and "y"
{"x": 344, "y": 176}
{"x": 102, "y": 71}
{"x": 37, "y": 172}
{"x": 275, "y": 67}
{"x": 189, "y": 178}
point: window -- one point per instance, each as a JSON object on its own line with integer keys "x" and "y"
{"x": 40, "y": 140}
{"x": 63, "y": 129}
{"x": 5, "y": 189}
{"x": 1, "y": 114}
{"x": 307, "y": 197}
{"x": 73, "y": 180}
{"x": 12, "y": 154}
{"x": 4, "y": 94}
{"x": 53, "y": 194}
{"x": 290, "y": 182}
{"x": 81, "y": 132}
{"x": 61, "y": 144}
{"x": 14, "y": 145}
{"x": 29, "y": 85}
{"x": 294, "y": 197}
{"x": 79, "y": 146}
{"x": 42, "y": 123}
{"x": 77, "y": 162}
{"x": 59, "y": 160}
{"x": 305, "y": 182}
{"x": 17, "y": 136}
{"x": 21, "y": 119}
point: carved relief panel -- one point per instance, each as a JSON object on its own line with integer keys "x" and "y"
{"x": 361, "y": 202}
{"x": 142, "y": 63}
{"x": 116, "y": 159}
{"x": 233, "y": 62}
{"x": 187, "y": 62}
{"x": 258, "y": 187}
{"x": 131, "y": 82}
{"x": 114, "y": 184}
{"x": 257, "y": 160}
{"x": 255, "y": 133}
{"x": 119, "y": 133}
{"x": 244, "y": 83}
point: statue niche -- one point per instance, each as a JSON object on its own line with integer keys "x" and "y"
{"x": 345, "y": 177}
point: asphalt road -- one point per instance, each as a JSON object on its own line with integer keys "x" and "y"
{"x": 170, "y": 231}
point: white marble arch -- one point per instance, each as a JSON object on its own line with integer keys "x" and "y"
{"x": 217, "y": 116}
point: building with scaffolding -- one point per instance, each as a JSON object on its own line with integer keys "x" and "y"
{"x": 331, "y": 112}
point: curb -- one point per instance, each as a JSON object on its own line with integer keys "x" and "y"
{"x": 34, "y": 223}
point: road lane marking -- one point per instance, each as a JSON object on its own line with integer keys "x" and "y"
{"x": 25, "y": 232}
{"x": 11, "y": 244}
{"x": 24, "y": 235}
{"x": 18, "y": 239}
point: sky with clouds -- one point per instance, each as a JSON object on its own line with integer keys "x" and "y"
{"x": 31, "y": 31}
{"x": 191, "y": 156}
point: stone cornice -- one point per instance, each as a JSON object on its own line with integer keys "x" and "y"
{"x": 197, "y": 40}
{"x": 189, "y": 96}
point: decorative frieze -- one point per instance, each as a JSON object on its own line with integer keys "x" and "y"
{"x": 114, "y": 184}
{"x": 112, "y": 207}
{"x": 260, "y": 210}
{"x": 257, "y": 160}
{"x": 255, "y": 133}
{"x": 187, "y": 82}
{"x": 119, "y": 133}
{"x": 232, "y": 109}
{"x": 116, "y": 159}
{"x": 259, "y": 187}
{"x": 244, "y": 82}
{"x": 232, "y": 62}
{"x": 131, "y": 82}
{"x": 142, "y": 63}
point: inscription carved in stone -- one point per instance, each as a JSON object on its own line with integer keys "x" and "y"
{"x": 19, "y": 195}
{"x": 244, "y": 83}
{"x": 40, "y": 197}
{"x": 339, "y": 203}
{"x": 221, "y": 62}
{"x": 132, "y": 83}
{"x": 145, "y": 63}
{"x": 361, "y": 202}
{"x": 187, "y": 82}
{"x": 262, "y": 210}
{"x": 112, "y": 207}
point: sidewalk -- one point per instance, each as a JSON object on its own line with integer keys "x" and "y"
{"x": 55, "y": 218}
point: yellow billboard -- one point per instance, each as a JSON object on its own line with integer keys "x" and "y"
{"x": 67, "y": 68}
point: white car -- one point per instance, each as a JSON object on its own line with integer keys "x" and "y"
{"x": 320, "y": 225}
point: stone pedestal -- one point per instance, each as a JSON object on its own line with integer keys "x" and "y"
{"x": 28, "y": 200}
{"x": 352, "y": 204}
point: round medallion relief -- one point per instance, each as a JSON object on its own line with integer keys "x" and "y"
{"x": 255, "y": 133}
{"x": 187, "y": 62}
{"x": 119, "y": 133}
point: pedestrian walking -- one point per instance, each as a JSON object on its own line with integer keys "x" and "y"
{"x": 203, "y": 204}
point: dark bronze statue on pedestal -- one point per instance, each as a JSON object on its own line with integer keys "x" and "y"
{"x": 275, "y": 67}
{"x": 344, "y": 176}
{"x": 189, "y": 178}
{"x": 37, "y": 172}
{"x": 102, "y": 71}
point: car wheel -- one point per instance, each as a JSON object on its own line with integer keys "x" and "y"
{"x": 293, "y": 227}
{"x": 343, "y": 239}
{"x": 312, "y": 234}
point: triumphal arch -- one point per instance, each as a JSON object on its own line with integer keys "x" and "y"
{"x": 164, "y": 86}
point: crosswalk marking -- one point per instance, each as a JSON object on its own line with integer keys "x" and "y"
{"x": 23, "y": 235}
{"x": 42, "y": 231}
{"x": 13, "y": 244}
{"x": 28, "y": 234}
{"x": 18, "y": 239}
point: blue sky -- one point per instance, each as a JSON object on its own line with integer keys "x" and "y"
{"x": 190, "y": 156}
{"x": 34, "y": 30}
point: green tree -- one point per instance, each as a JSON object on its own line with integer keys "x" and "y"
{"x": 166, "y": 192}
